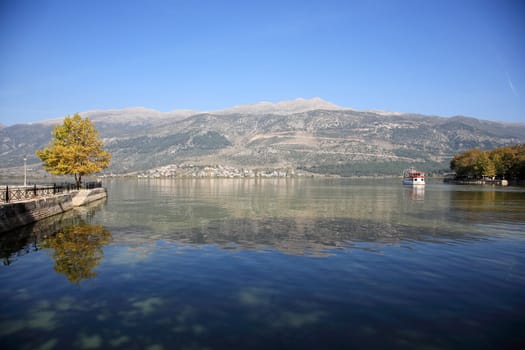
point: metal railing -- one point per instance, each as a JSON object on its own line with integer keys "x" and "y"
{"x": 9, "y": 194}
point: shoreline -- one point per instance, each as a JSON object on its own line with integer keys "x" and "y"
{"x": 500, "y": 182}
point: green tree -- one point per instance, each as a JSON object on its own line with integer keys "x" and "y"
{"x": 463, "y": 163}
{"x": 473, "y": 163}
{"x": 75, "y": 149}
{"x": 504, "y": 162}
{"x": 484, "y": 166}
{"x": 503, "y": 159}
{"x": 517, "y": 169}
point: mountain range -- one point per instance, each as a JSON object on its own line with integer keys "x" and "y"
{"x": 312, "y": 135}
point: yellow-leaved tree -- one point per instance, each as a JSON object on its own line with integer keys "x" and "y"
{"x": 78, "y": 250}
{"x": 75, "y": 149}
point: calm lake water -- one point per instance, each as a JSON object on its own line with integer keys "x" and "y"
{"x": 271, "y": 264}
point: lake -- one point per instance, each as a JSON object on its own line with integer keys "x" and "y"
{"x": 271, "y": 264}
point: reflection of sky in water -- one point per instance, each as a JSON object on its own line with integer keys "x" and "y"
{"x": 210, "y": 296}
{"x": 277, "y": 265}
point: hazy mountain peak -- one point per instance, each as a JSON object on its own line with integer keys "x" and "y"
{"x": 142, "y": 115}
{"x": 130, "y": 115}
{"x": 283, "y": 107}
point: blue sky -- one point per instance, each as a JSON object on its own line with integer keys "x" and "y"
{"x": 432, "y": 57}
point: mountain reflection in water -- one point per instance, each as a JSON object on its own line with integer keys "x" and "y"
{"x": 294, "y": 216}
{"x": 297, "y": 216}
{"x": 314, "y": 237}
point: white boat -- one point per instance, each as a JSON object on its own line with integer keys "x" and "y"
{"x": 413, "y": 177}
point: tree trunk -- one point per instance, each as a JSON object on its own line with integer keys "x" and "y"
{"x": 78, "y": 180}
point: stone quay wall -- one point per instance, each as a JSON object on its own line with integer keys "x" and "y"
{"x": 13, "y": 215}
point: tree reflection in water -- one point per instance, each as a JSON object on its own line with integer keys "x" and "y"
{"x": 78, "y": 250}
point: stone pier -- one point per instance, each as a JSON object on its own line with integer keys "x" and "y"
{"x": 13, "y": 215}
{"x": 83, "y": 197}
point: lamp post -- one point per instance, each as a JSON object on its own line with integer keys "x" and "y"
{"x": 25, "y": 171}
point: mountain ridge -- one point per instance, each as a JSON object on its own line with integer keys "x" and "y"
{"x": 299, "y": 135}
{"x": 284, "y": 107}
